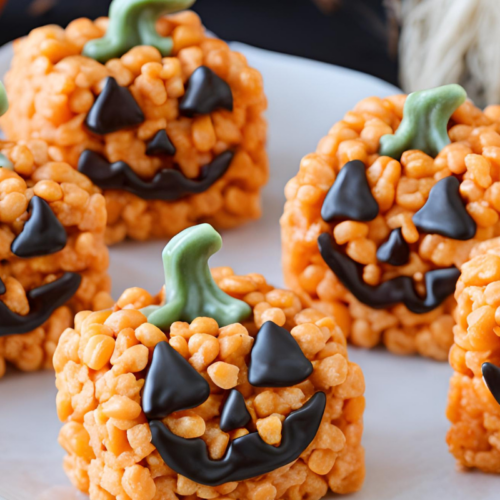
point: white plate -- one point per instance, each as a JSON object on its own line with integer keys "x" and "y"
{"x": 406, "y": 454}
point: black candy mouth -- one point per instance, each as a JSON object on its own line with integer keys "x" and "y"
{"x": 43, "y": 301}
{"x": 167, "y": 185}
{"x": 246, "y": 457}
{"x": 440, "y": 283}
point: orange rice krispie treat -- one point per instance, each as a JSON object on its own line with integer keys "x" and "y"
{"x": 474, "y": 397}
{"x": 380, "y": 219}
{"x": 219, "y": 387}
{"x": 163, "y": 117}
{"x": 53, "y": 257}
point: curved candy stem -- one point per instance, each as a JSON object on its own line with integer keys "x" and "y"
{"x": 425, "y": 122}
{"x": 133, "y": 23}
{"x": 191, "y": 290}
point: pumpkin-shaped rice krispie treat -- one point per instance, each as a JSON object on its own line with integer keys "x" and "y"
{"x": 380, "y": 219}
{"x": 166, "y": 119}
{"x": 474, "y": 397}
{"x": 53, "y": 260}
{"x": 219, "y": 387}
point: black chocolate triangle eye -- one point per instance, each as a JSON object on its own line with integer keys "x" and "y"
{"x": 160, "y": 144}
{"x": 114, "y": 109}
{"x": 234, "y": 414}
{"x": 43, "y": 234}
{"x": 444, "y": 212}
{"x": 350, "y": 196}
{"x": 395, "y": 251}
{"x": 276, "y": 359}
{"x": 491, "y": 376}
{"x": 172, "y": 384}
{"x": 206, "y": 92}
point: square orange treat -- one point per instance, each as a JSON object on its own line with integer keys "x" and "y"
{"x": 162, "y": 116}
{"x": 380, "y": 219}
{"x": 219, "y": 387}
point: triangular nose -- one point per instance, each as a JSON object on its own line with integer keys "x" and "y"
{"x": 395, "y": 251}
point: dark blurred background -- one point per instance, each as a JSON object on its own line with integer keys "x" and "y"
{"x": 357, "y": 34}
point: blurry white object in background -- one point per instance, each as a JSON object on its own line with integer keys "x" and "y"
{"x": 451, "y": 41}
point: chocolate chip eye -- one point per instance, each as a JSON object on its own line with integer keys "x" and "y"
{"x": 43, "y": 234}
{"x": 491, "y": 376}
{"x": 160, "y": 145}
{"x": 114, "y": 109}
{"x": 206, "y": 92}
{"x": 395, "y": 251}
{"x": 172, "y": 384}
{"x": 234, "y": 413}
{"x": 350, "y": 196}
{"x": 276, "y": 359}
{"x": 444, "y": 212}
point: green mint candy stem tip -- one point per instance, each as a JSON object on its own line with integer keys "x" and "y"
{"x": 191, "y": 291}
{"x": 425, "y": 122}
{"x": 133, "y": 23}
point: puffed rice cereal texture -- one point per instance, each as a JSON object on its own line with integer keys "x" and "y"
{"x": 101, "y": 366}
{"x": 400, "y": 188}
{"x": 472, "y": 410}
{"x": 81, "y": 210}
{"x": 52, "y": 88}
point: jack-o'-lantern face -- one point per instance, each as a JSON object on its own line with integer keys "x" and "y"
{"x": 172, "y": 385}
{"x": 408, "y": 251}
{"x": 116, "y": 109}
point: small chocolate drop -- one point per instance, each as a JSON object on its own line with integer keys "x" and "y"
{"x": 440, "y": 283}
{"x": 172, "y": 384}
{"x": 114, "y": 109}
{"x": 395, "y": 251}
{"x": 491, "y": 377}
{"x": 205, "y": 92}
{"x": 42, "y": 234}
{"x": 160, "y": 144}
{"x": 444, "y": 212}
{"x": 276, "y": 359}
{"x": 43, "y": 301}
{"x": 234, "y": 413}
{"x": 168, "y": 184}
{"x": 350, "y": 197}
{"x": 246, "y": 457}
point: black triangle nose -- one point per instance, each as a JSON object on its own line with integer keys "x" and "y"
{"x": 395, "y": 251}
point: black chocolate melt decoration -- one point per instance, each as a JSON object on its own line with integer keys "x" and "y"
{"x": 444, "y": 212}
{"x": 205, "y": 92}
{"x": 246, "y": 457}
{"x": 395, "y": 251}
{"x": 439, "y": 283}
{"x": 172, "y": 384}
{"x": 114, "y": 109}
{"x": 491, "y": 377}
{"x": 3, "y": 289}
{"x": 168, "y": 184}
{"x": 350, "y": 196}
{"x": 160, "y": 144}
{"x": 234, "y": 413}
{"x": 42, "y": 234}
{"x": 276, "y": 359}
{"x": 43, "y": 301}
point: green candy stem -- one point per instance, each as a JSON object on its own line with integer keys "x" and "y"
{"x": 425, "y": 120}
{"x": 133, "y": 23}
{"x": 4, "y": 106}
{"x": 191, "y": 290}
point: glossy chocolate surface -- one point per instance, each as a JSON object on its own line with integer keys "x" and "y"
{"x": 234, "y": 413}
{"x": 276, "y": 359}
{"x": 42, "y": 234}
{"x": 246, "y": 457}
{"x": 160, "y": 144}
{"x": 43, "y": 301}
{"x": 114, "y": 109}
{"x": 350, "y": 196}
{"x": 440, "y": 283}
{"x": 491, "y": 377}
{"x": 168, "y": 184}
{"x": 395, "y": 251}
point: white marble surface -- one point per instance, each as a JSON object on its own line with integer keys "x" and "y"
{"x": 406, "y": 455}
